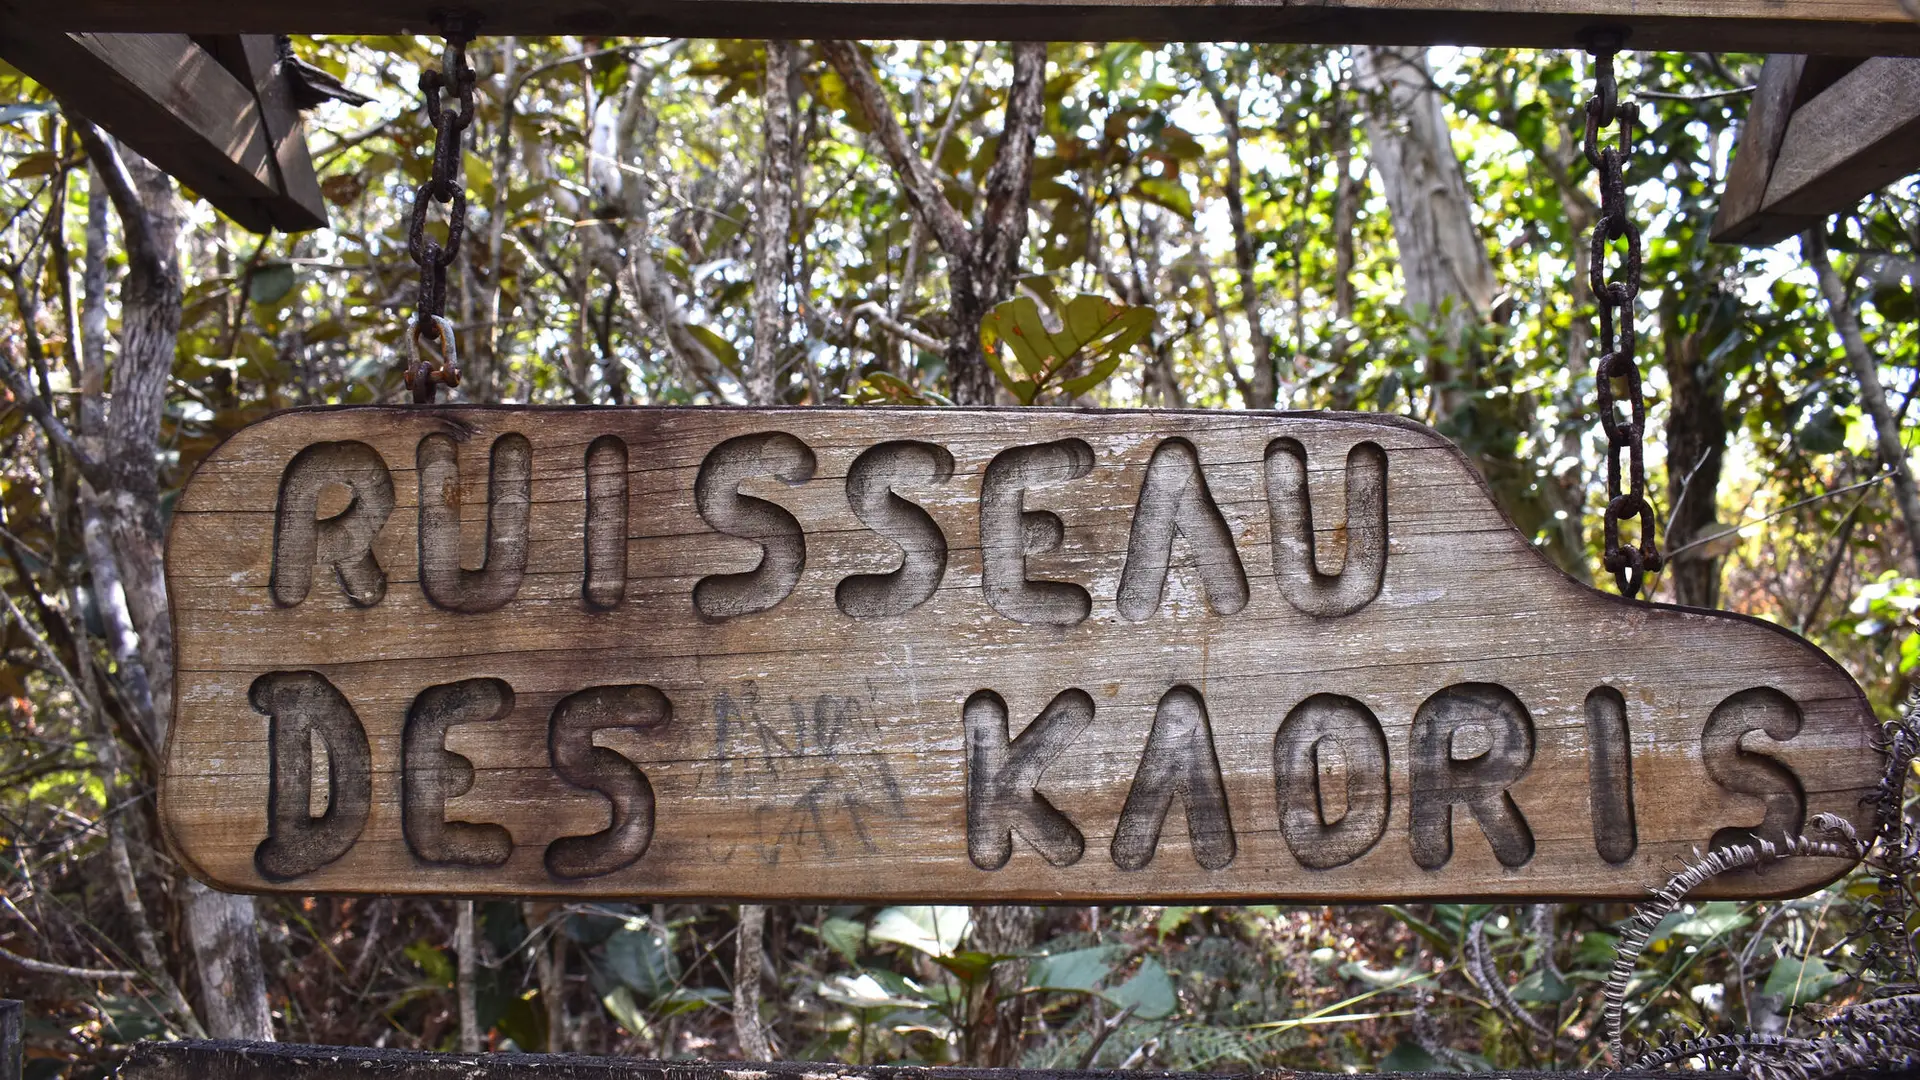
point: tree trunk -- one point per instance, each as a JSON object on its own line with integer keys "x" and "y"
{"x": 1443, "y": 259}
{"x": 1263, "y": 389}
{"x": 982, "y": 259}
{"x": 1866, "y": 368}
{"x": 1696, "y": 444}
{"x": 748, "y": 956}
{"x": 774, "y": 226}
{"x": 1002, "y": 931}
{"x": 220, "y": 928}
{"x": 1346, "y": 214}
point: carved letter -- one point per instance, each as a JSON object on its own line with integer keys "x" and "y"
{"x": 1179, "y": 762}
{"x": 783, "y": 546}
{"x": 1001, "y": 776}
{"x": 430, "y": 774}
{"x": 1361, "y": 540}
{"x": 1174, "y": 498}
{"x": 870, "y": 485}
{"x": 1736, "y": 768}
{"x": 1330, "y": 772}
{"x": 605, "y": 583}
{"x": 1471, "y": 742}
{"x": 509, "y": 505}
{"x": 343, "y": 541}
{"x": 302, "y": 706}
{"x": 1610, "y": 775}
{"x": 580, "y": 763}
{"x": 1009, "y": 533}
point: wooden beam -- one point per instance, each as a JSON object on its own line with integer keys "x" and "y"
{"x": 1816, "y": 141}
{"x": 1740, "y": 220}
{"x": 1859, "y": 135}
{"x": 1837, "y": 27}
{"x": 204, "y": 1060}
{"x": 175, "y": 104}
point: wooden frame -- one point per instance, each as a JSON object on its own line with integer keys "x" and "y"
{"x": 216, "y": 116}
{"x": 1821, "y": 134}
{"x": 205, "y": 1060}
{"x": 1839, "y": 27}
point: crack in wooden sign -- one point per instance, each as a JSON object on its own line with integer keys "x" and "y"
{"x": 886, "y": 654}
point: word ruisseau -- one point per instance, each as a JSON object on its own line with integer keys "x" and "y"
{"x": 887, "y": 654}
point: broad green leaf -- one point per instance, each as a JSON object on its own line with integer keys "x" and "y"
{"x": 1710, "y": 921}
{"x": 1799, "y": 980}
{"x": 720, "y": 347}
{"x": 844, "y": 936}
{"x": 432, "y": 962}
{"x": 270, "y": 283}
{"x": 641, "y": 955}
{"x": 1076, "y": 969}
{"x": 863, "y": 991}
{"x": 936, "y": 931}
{"x": 1150, "y": 990}
{"x": 1542, "y": 985}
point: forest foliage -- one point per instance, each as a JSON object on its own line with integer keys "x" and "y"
{"x": 1190, "y": 226}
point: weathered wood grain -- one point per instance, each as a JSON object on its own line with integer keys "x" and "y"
{"x": 1836, "y": 27}
{"x": 1856, "y": 136}
{"x": 885, "y": 654}
{"x": 191, "y": 1059}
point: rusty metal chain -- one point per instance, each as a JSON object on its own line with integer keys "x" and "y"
{"x": 1614, "y": 294}
{"x": 432, "y": 359}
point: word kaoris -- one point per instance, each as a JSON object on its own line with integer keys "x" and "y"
{"x": 1467, "y": 747}
{"x": 972, "y": 654}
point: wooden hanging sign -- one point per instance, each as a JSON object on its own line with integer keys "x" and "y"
{"x": 918, "y": 654}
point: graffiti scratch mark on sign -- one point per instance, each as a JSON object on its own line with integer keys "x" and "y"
{"x": 945, "y": 654}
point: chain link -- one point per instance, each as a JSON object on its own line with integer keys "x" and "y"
{"x": 1614, "y": 294}
{"x": 433, "y": 361}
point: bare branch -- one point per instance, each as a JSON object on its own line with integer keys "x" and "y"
{"x": 42, "y": 967}
{"x": 878, "y": 316}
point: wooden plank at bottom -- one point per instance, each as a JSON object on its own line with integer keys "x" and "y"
{"x": 210, "y": 1060}
{"x": 947, "y": 654}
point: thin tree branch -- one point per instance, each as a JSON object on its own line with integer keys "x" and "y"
{"x": 42, "y": 967}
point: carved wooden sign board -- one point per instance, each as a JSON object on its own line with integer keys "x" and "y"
{"x": 891, "y": 654}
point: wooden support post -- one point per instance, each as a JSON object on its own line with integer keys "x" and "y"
{"x": 1818, "y": 138}
{"x": 237, "y": 144}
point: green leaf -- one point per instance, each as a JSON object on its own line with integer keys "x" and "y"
{"x": 1710, "y": 921}
{"x": 864, "y": 991}
{"x": 936, "y": 931}
{"x": 845, "y": 937}
{"x": 270, "y": 282}
{"x": 431, "y": 961}
{"x": 1168, "y": 192}
{"x": 720, "y": 347}
{"x": 620, "y": 1005}
{"x": 1077, "y": 969}
{"x": 1408, "y": 1056}
{"x": 1094, "y": 335}
{"x": 43, "y": 163}
{"x": 1799, "y": 980}
{"x": 971, "y": 966}
{"x": 1150, "y": 990}
{"x": 1542, "y": 986}
{"x": 641, "y": 956}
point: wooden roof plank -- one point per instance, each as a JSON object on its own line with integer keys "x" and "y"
{"x": 175, "y": 104}
{"x": 1857, "y": 136}
{"x": 1835, "y": 27}
{"x": 1739, "y": 220}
